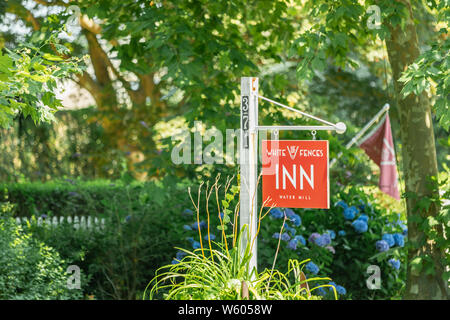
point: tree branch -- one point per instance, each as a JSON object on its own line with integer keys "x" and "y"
{"x": 30, "y": 18}
{"x": 97, "y": 52}
{"x": 89, "y": 24}
{"x": 87, "y": 82}
{"x": 52, "y": 3}
{"x": 98, "y": 60}
{"x": 23, "y": 13}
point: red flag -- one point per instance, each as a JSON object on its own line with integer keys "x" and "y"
{"x": 379, "y": 146}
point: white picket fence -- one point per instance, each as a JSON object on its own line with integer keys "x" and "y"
{"x": 78, "y": 222}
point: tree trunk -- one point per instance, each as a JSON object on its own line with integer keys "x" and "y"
{"x": 419, "y": 162}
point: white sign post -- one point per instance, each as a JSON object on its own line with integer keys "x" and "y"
{"x": 248, "y": 155}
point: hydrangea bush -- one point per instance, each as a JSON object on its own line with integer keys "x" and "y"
{"x": 341, "y": 243}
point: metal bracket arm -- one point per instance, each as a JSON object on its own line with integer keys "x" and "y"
{"x": 339, "y": 127}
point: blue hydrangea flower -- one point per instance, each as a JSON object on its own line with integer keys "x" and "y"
{"x": 320, "y": 241}
{"x": 292, "y": 244}
{"x": 296, "y": 220}
{"x": 364, "y": 217}
{"x": 301, "y": 240}
{"x": 394, "y": 263}
{"x": 187, "y": 212}
{"x": 399, "y": 239}
{"x": 276, "y": 213}
{"x": 289, "y": 213}
{"x": 312, "y": 267}
{"x": 389, "y": 239}
{"x": 331, "y": 284}
{"x": 221, "y": 215}
{"x": 327, "y": 238}
{"x": 187, "y": 228}
{"x": 175, "y": 261}
{"x": 190, "y": 239}
{"x": 332, "y": 234}
{"x": 285, "y": 237}
{"x": 341, "y": 203}
{"x": 290, "y": 230}
{"x": 350, "y": 212}
{"x": 276, "y": 235}
{"x": 321, "y": 291}
{"x": 382, "y": 245}
{"x": 196, "y": 225}
{"x": 211, "y": 236}
{"x": 312, "y": 238}
{"x": 180, "y": 254}
{"x": 403, "y": 227}
{"x": 341, "y": 290}
{"x": 196, "y": 245}
{"x": 341, "y": 233}
{"x": 360, "y": 226}
{"x": 323, "y": 240}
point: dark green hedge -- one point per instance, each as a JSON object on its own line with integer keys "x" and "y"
{"x": 142, "y": 228}
{"x": 66, "y": 197}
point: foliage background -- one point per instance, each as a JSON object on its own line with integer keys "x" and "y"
{"x": 153, "y": 68}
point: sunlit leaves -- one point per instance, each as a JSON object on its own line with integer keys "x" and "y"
{"x": 339, "y": 30}
{"x": 200, "y": 48}
{"x": 430, "y": 73}
{"x": 6, "y": 64}
{"x": 27, "y": 81}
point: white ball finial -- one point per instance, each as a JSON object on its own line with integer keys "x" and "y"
{"x": 340, "y": 127}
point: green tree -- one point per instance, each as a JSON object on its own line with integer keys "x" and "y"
{"x": 151, "y": 60}
{"x": 338, "y": 31}
{"x": 185, "y": 57}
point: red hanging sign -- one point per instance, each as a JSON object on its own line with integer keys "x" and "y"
{"x": 295, "y": 173}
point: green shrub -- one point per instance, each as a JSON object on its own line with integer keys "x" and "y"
{"x": 142, "y": 225}
{"x": 29, "y": 269}
{"x": 64, "y": 197}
